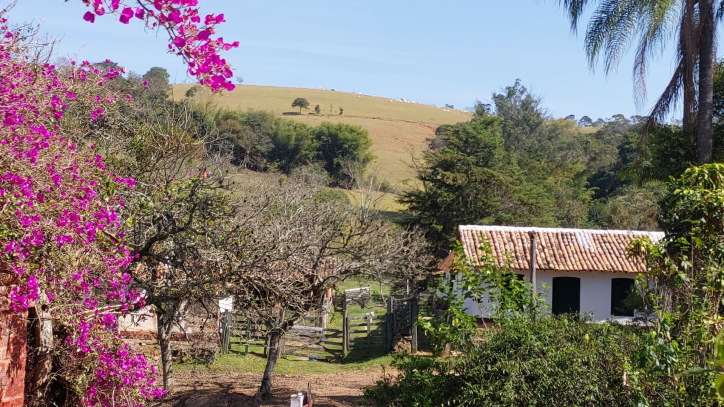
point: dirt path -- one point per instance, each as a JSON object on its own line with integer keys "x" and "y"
{"x": 199, "y": 389}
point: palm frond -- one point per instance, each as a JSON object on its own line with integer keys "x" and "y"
{"x": 575, "y": 10}
{"x": 657, "y": 22}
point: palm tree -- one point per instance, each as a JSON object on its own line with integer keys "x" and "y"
{"x": 615, "y": 24}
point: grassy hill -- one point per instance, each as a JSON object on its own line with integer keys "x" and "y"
{"x": 397, "y": 128}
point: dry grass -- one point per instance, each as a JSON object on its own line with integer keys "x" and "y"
{"x": 396, "y": 128}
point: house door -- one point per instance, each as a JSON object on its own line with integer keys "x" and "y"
{"x": 566, "y": 295}
{"x": 620, "y": 290}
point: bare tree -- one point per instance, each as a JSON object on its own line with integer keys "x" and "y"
{"x": 179, "y": 214}
{"x": 306, "y": 241}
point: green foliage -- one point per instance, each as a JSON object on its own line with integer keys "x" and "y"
{"x": 507, "y": 296}
{"x": 652, "y": 372}
{"x": 261, "y": 141}
{"x": 517, "y": 167}
{"x": 686, "y": 274}
{"x": 158, "y": 85}
{"x": 716, "y": 363}
{"x": 328, "y": 195}
{"x": 301, "y": 103}
{"x": 462, "y": 180}
{"x": 636, "y": 207}
{"x": 342, "y": 144}
{"x": 551, "y": 360}
{"x": 317, "y": 109}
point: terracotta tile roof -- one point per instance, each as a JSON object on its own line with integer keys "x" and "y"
{"x": 557, "y": 249}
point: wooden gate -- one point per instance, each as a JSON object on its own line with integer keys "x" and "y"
{"x": 402, "y": 312}
{"x": 239, "y": 333}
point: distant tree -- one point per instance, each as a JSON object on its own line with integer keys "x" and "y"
{"x": 599, "y": 122}
{"x": 301, "y": 103}
{"x": 462, "y": 182}
{"x": 341, "y": 110}
{"x": 585, "y": 122}
{"x": 341, "y": 144}
{"x": 156, "y": 82}
{"x": 239, "y": 79}
{"x": 571, "y": 117}
{"x": 449, "y": 106}
{"x": 193, "y": 91}
{"x": 317, "y": 109}
{"x": 481, "y": 109}
{"x": 522, "y": 117}
{"x": 261, "y": 141}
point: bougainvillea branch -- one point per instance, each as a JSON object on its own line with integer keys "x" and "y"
{"x": 190, "y": 36}
{"x": 60, "y": 234}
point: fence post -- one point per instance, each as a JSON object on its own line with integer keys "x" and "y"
{"x": 368, "y": 317}
{"x": 222, "y": 336}
{"x": 227, "y": 334}
{"x": 389, "y": 317}
{"x": 414, "y": 310}
{"x": 345, "y": 335}
{"x": 248, "y": 336}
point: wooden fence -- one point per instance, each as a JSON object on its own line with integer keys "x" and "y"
{"x": 357, "y": 296}
{"x": 313, "y": 343}
{"x": 359, "y": 338}
{"x": 365, "y": 336}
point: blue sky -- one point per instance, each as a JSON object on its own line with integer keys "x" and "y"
{"x": 434, "y": 52}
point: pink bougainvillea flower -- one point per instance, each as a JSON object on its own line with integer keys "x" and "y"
{"x": 89, "y": 17}
{"x": 179, "y": 42}
{"x": 126, "y": 15}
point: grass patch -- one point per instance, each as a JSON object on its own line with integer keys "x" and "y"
{"x": 253, "y": 362}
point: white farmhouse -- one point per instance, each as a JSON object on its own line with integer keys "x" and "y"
{"x": 581, "y": 271}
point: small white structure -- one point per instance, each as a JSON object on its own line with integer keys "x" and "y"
{"x": 144, "y": 320}
{"x": 582, "y": 271}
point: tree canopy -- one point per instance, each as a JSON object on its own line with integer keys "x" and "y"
{"x": 301, "y": 103}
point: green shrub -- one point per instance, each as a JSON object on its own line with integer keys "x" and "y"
{"x": 551, "y": 361}
{"x": 422, "y": 382}
{"x": 554, "y": 360}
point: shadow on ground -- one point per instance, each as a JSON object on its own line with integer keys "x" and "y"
{"x": 225, "y": 396}
{"x": 196, "y": 389}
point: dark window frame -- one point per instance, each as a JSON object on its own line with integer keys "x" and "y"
{"x": 565, "y": 302}
{"x": 619, "y": 294}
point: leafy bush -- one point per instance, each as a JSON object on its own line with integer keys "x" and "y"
{"x": 339, "y": 144}
{"x": 553, "y": 360}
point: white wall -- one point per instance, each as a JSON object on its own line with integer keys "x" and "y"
{"x": 143, "y": 320}
{"x": 595, "y": 293}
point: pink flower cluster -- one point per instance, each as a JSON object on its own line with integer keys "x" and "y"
{"x": 189, "y": 36}
{"x": 60, "y": 235}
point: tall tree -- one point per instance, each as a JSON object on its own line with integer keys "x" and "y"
{"x": 300, "y": 103}
{"x": 615, "y": 24}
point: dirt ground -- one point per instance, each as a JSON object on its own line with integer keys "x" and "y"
{"x": 199, "y": 389}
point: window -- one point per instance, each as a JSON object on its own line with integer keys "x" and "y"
{"x": 620, "y": 289}
{"x": 566, "y": 295}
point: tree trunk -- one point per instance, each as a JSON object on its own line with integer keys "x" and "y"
{"x": 706, "y": 82}
{"x": 164, "y": 341}
{"x": 165, "y": 322}
{"x": 264, "y": 392}
{"x": 43, "y": 366}
{"x": 690, "y": 57}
